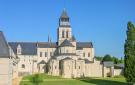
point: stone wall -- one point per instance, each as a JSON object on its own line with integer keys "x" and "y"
{"x": 5, "y": 71}
{"x": 118, "y": 72}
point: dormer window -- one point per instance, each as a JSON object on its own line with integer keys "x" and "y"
{"x": 19, "y": 50}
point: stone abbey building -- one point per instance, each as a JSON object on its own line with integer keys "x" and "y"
{"x": 67, "y": 57}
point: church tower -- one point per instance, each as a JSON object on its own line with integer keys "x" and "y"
{"x": 64, "y": 29}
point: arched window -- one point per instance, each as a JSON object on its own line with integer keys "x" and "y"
{"x": 23, "y": 66}
{"x": 63, "y": 34}
{"x": 67, "y": 33}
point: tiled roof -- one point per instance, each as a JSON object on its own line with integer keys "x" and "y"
{"x": 81, "y": 45}
{"x": 28, "y": 48}
{"x": 4, "y": 50}
{"x": 88, "y": 61}
{"x": 108, "y": 64}
{"x": 47, "y": 45}
{"x": 66, "y": 43}
{"x": 42, "y": 62}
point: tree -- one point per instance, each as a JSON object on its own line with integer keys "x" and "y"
{"x": 36, "y": 79}
{"x": 107, "y": 58}
{"x": 121, "y": 60}
{"x": 129, "y": 51}
{"x": 115, "y": 60}
{"x": 99, "y": 58}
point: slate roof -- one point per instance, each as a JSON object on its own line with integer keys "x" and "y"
{"x": 4, "y": 50}
{"x": 73, "y": 38}
{"x": 81, "y": 45}
{"x": 67, "y": 58}
{"x": 108, "y": 64}
{"x": 87, "y": 61}
{"x": 64, "y": 14}
{"x": 47, "y": 45}
{"x": 66, "y": 43}
{"x": 119, "y": 65}
{"x": 42, "y": 62}
{"x": 28, "y": 48}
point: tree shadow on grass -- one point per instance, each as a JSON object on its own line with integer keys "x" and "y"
{"x": 104, "y": 82}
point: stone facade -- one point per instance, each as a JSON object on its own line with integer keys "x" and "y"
{"x": 7, "y": 62}
{"x": 67, "y": 57}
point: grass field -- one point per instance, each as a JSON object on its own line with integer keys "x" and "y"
{"x": 53, "y": 80}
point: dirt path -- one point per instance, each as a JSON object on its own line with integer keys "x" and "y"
{"x": 16, "y": 81}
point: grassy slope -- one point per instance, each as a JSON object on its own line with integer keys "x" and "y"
{"x": 53, "y": 80}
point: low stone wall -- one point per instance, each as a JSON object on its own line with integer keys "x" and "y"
{"x": 118, "y": 72}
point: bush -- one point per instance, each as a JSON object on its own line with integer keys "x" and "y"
{"x": 36, "y": 79}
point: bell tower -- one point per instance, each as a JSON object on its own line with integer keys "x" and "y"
{"x": 64, "y": 29}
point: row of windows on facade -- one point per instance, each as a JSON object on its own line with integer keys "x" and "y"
{"x": 68, "y": 66}
{"x": 84, "y": 54}
{"x": 51, "y": 54}
{"x": 45, "y": 54}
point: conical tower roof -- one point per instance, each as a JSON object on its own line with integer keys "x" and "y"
{"x": 64, "y": 14}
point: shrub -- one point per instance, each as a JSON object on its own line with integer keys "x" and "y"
{"x": 36, "y": 79}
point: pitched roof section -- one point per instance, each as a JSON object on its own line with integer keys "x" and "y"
{"x": 81, "y": 45}
{"x": 66, "y": 43}
{"x": 42, "y": 62}
{"x": 67, "y": 58}
{"x": 28, "y": 48}
{"x": 4, "y": 50}
{"x": 108, "y": 64}
{"x": 64, "y": 14}
{"x": 47, "y": 44}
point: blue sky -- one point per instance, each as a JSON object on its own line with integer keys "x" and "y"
{"x": 101, "y": 21}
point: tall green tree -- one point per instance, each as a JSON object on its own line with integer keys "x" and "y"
{"x": 107, "y": 57}
{"x": 129, "y": 51}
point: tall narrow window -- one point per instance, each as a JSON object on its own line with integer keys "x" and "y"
{"x": 40, "y": 54}
{"x": 63, "y": 34}
{"x": 83, "y": 54}
{"x": 79, "y": 67}
{"x": 45, "y": 54}
{"x": 60, "y": 51}
{"x": 67, "y": 34}
{"x": 88, "y": 54}
{"x": 50, "y": 53}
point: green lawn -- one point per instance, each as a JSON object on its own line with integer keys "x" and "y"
{"x": 53, "y": 80}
